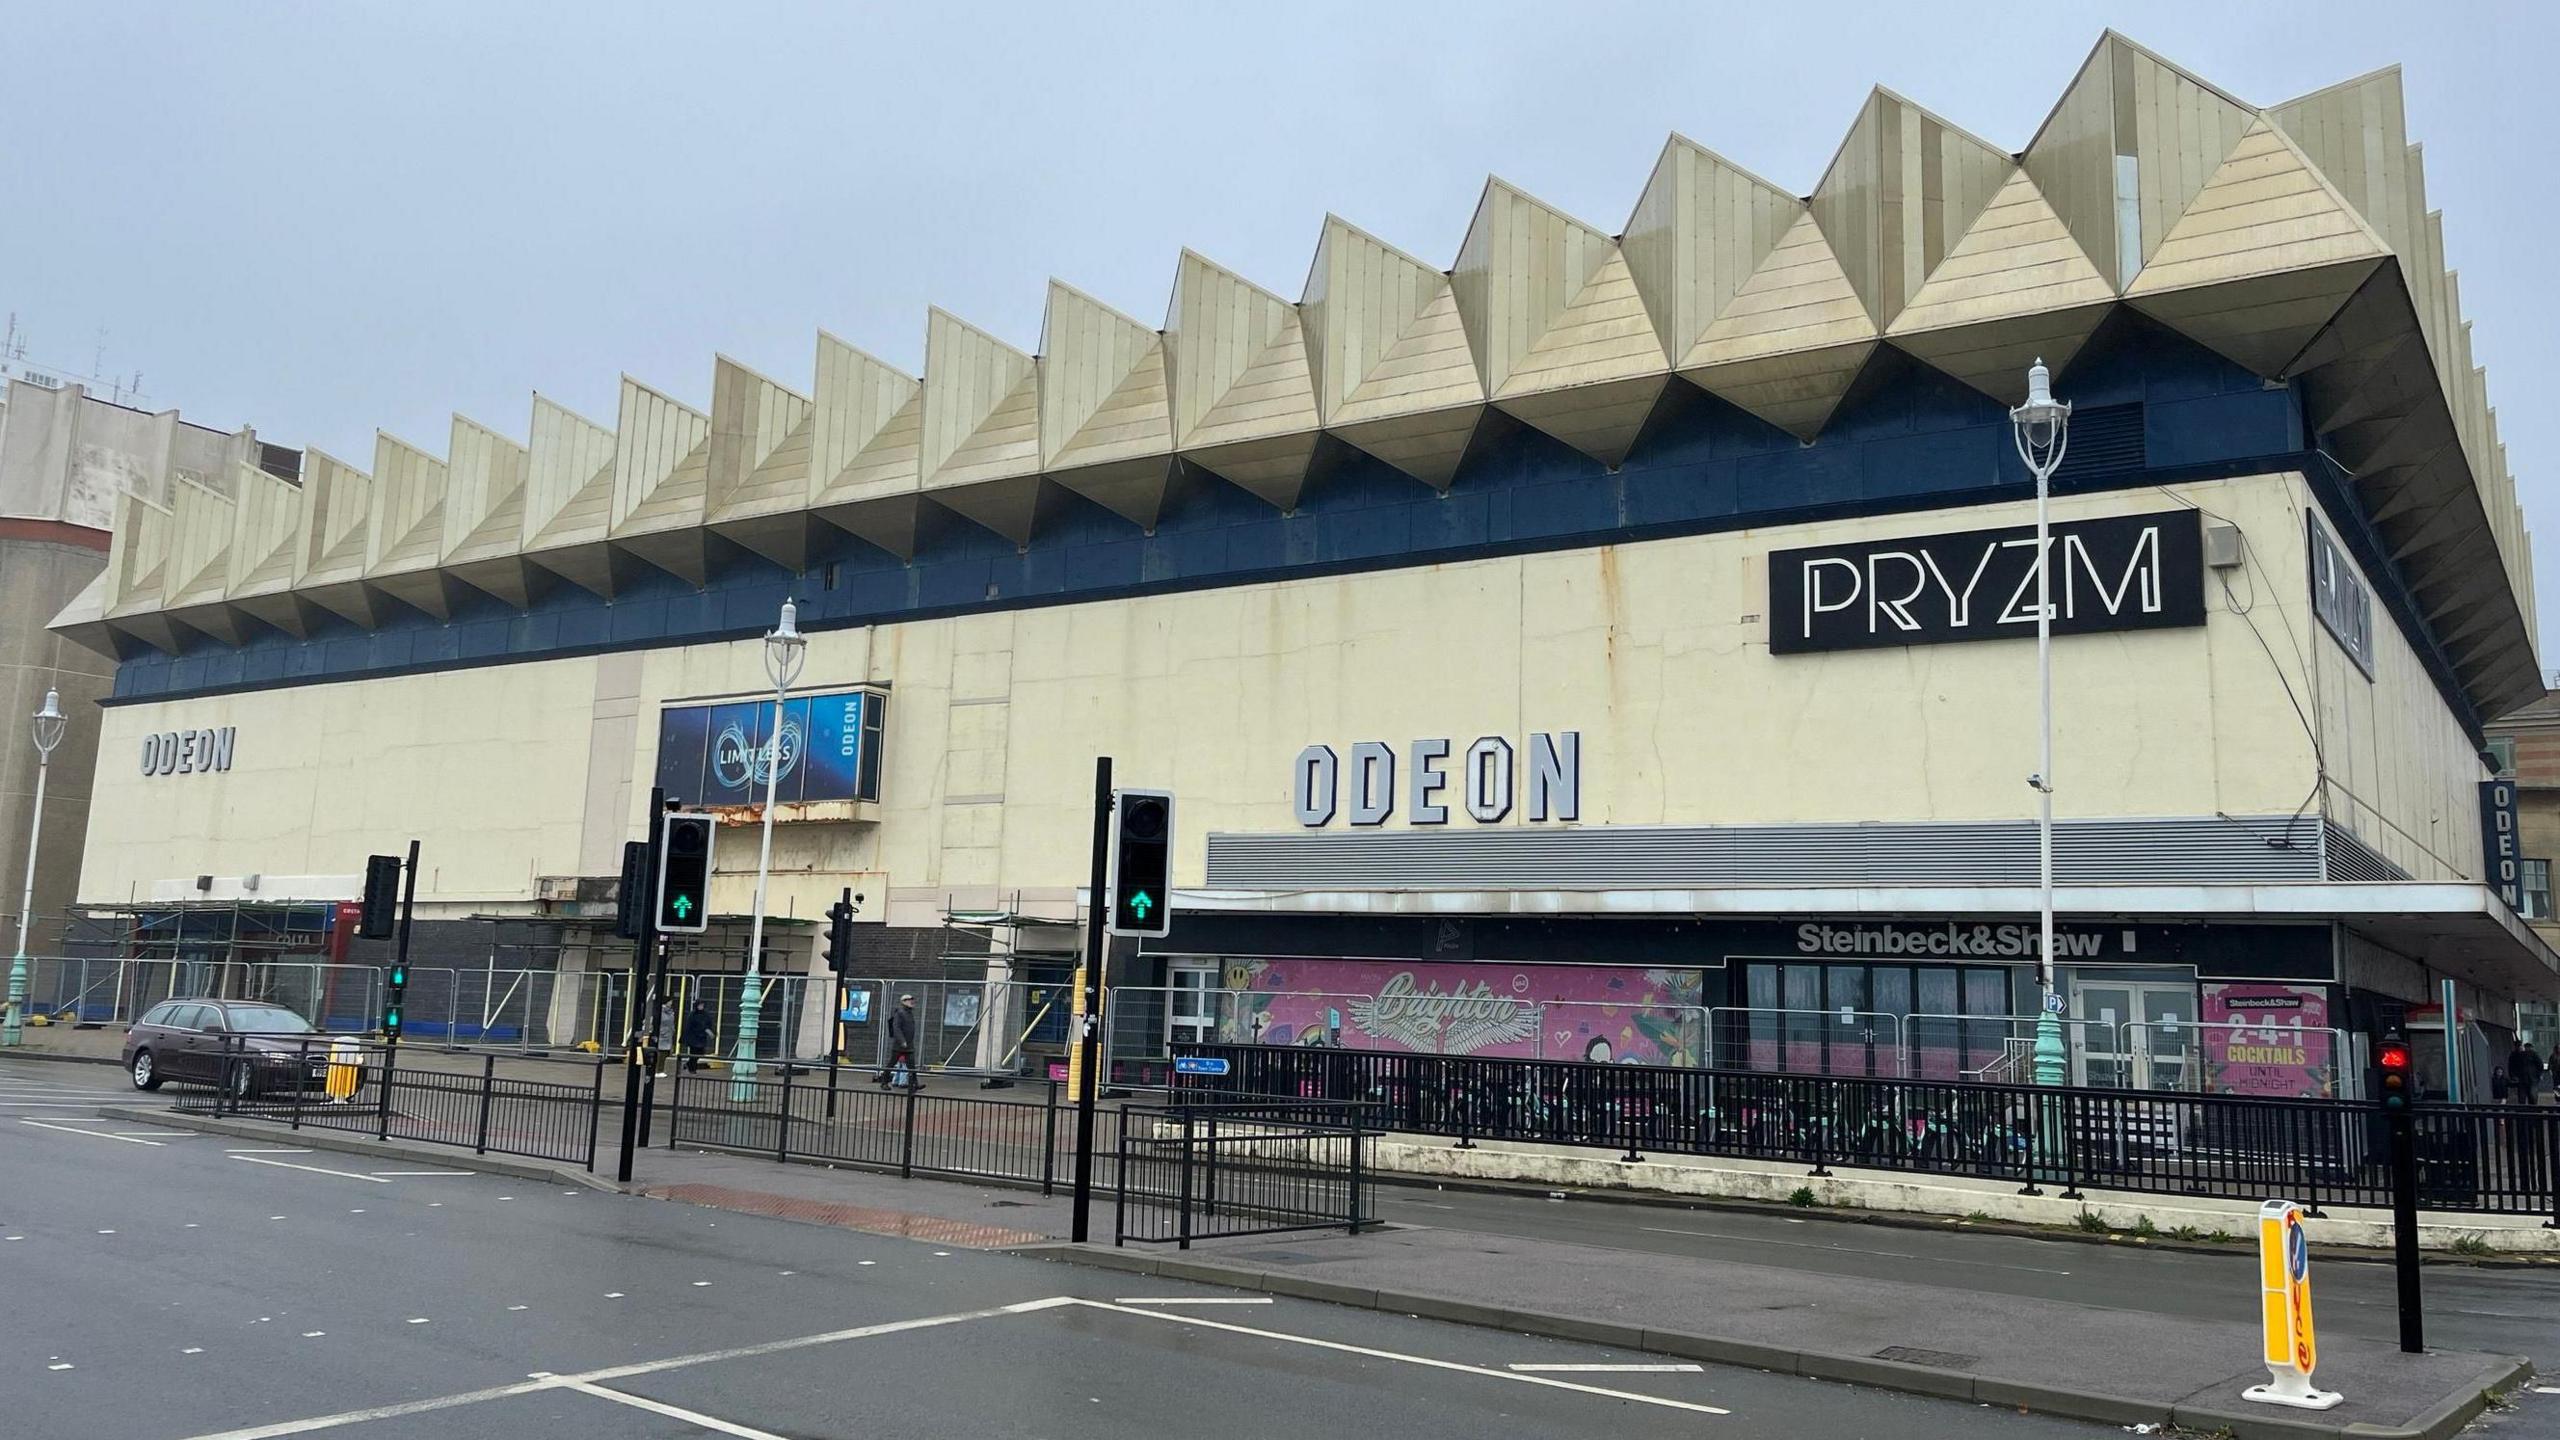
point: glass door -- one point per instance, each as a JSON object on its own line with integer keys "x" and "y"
{"x": 1190, "y": 1010}
{"x": 2135, "y": 1035}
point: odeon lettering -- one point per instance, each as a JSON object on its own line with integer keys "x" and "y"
{"x": 1483, "y": 781}
{"x": 186, "y": 752}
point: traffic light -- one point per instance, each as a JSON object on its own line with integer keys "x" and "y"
{"x": 840, "y": 935}
{"x": 2391, "y": 1057}
{"x": 684, "y": 873}
{"x": 391, "y": 999}
{"x": 631, "y": 901}
{"x": 1141, "y": 862}
{"x": 381, "y": 896}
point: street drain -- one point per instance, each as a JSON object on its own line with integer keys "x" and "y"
{"x": 1935, "y": 1359}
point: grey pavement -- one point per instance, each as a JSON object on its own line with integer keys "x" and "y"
{"x": 185, "y": 1284}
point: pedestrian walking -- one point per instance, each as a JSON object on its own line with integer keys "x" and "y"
{"x": 2524, "y": 1073}
{"x": 698, "y": 1038}
{"x": 902, "y": 1047}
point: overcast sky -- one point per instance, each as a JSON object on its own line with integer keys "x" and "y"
{"x": 323, "y": 219}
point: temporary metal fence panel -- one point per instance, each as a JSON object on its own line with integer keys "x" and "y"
{"x": 1196, "y": 1171}
{"x": 2238, "y": 1057}
{"x": 983, "y": 1027}
{"x": 367, "y": 1088}
{"x": 76, "y": 990}
{"x": 2321, "y": 1152}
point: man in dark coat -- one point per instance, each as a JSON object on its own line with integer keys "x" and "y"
{"x": 2524, "y": 1073}
{"x": 698, "y": 1038}
{"x": 902, "y": 1046}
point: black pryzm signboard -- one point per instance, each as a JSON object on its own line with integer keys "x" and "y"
{"x": 2123, "y": 572}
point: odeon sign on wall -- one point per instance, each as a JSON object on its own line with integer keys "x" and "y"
{"x": 1484, "y": 783}
{"x": 187, "y": 752}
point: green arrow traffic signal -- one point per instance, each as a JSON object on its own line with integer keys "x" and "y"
{"x": 683, "y": 906}
{"x": 1141, "y": 903}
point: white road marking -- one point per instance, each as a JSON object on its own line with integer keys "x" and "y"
{"x": 417, "y": 1319}
{"x": 866, "y": 1262}
{"x": 313, "y": 1169}
{"x": 672, "y": 1412}
{"x": 92, "y": 1134}
{"x": 1422, "y": 1360}
{"x": 701, "y": 1284}
{"x": 313, "y": 1334}
{"x": 2546, "y": 1389}
{"x": 515, "y": 1307}
{"x": 623, "y": 1372}
{"x": 613, "y": 1294}
{"x": 1614, "y": 1369}
{"x": 106, "y": 1232}
{"x": 1853, "y": 1250}
{"x": 1195, "y": 1300}
{"x": 57, "y": 1367}
{"x": 192, "y": 1350}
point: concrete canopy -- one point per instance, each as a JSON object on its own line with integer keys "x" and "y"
{"x": 2295, "y": 240}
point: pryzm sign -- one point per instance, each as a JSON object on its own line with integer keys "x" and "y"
{"x": 1481, "y": 781}
{"x": 187, "y": 752}
{"x": 2124, "y": 572}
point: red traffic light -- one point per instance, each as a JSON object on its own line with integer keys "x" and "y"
{"x": 2393, "y": 1058}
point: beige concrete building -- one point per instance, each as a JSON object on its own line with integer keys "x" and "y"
{"x": 1625, "y": 622}
{"x": 67, "y": 458}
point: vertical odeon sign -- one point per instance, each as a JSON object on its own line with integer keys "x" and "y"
{"x": 2501, "y": 862}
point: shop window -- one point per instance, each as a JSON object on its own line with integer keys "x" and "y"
{"x": 2502, "y": 754}
{"x": 2537, "y": 889}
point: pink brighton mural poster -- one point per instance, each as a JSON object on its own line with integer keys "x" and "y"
{"x": 2266, "y": 1039}
{"x": 1633, "y": 1015}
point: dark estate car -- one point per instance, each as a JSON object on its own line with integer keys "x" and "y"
{"x": 263, "y": 1046}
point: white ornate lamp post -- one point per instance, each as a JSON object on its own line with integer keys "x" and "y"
{"x": 785, "y": 650}
{"x": 49, "y": 724}
{"x": 2043, "y": 427}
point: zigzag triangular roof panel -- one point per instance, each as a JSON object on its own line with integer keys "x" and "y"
{"x": 981, "y": 405}
{"x": 2259, "y": 234}
{"x": 1244, "y": 404}
{"x": 758, "y": 460}
{"x": 484, "y": 493}
{"x": 2015, "y": 289}
{"x": 1700, "y": 230}
{"x": 1904, "y": 186}
{"x": 866, "y": 429}
{"x": 2263, "y": 258}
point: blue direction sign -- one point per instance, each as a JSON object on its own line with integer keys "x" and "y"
{"x": 1198, "y": 1065}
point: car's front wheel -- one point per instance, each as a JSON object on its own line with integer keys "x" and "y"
{"x": 146, "y": 1072}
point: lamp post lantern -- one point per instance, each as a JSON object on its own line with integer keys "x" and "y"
{"x": 49, "y": 725}
{"x": 785, "y": 650}
{"x": 2043, "y": 427}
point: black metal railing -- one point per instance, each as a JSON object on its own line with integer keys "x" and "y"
{"x": 366, "y": 1088}
{"x": 836, "y": 1114}
{"x": 1203, "y": 1170}
{"x": 2497, "y": 1159}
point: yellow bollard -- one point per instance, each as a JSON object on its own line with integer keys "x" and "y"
{"x": 2284, "y": 1290}
{"x": 346, "y": 1069}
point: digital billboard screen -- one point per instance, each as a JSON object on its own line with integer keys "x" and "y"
{"x": 719, "y": 754}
